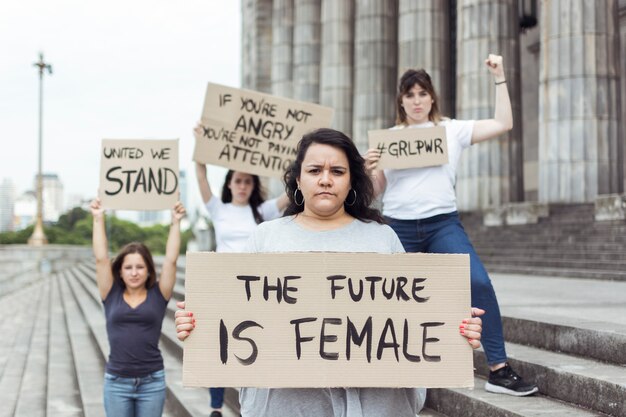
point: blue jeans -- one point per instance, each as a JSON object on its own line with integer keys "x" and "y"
{"x": 444, "y": 233}
{"x": 217, "y": 397}
{"x": 134, "y": 397}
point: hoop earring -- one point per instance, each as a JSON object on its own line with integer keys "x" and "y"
{"x": 353, "y": 201}
{"x": 295, "y": 199}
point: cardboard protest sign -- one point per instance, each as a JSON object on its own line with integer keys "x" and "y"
{"x": 138, "y": 174}
{"x": 327, "y": 320}
{"x": 254, "y": 132}
{"x": 410, "y": 148}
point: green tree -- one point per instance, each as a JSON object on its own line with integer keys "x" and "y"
{"x": 121, "y": 232}
{"x": 17, "y": 237}
{"x": 69, "y": 219}
{"x": 75, "y": 228}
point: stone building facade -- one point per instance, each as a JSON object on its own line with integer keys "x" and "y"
{"x": 565, "y": 63}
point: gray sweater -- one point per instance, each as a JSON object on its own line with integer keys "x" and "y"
{"x": 285, "y": 235}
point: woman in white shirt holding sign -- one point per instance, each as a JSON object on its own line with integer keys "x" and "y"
{"x": 420, "y": 203}
{"x": 235, "y": 216}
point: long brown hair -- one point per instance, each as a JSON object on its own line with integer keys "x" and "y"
{"x": 408, "y": 80}
{"x": 360, "y": 181}
{"x": 257, "y": 197}
{"x": 141, "y": 249}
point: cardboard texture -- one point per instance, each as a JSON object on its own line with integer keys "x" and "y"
{"x": 138, "y": 174}
{"x": 254, "y": 132}
{"x": 410, "y": 148}
{"x": 257, "y": 337}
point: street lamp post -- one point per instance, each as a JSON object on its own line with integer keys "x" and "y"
{"x": 38, "y": 238}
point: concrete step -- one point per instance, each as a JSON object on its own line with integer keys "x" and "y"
{"x": 62, "y": 392}
{"x": 10, "y": 324}
{"x": 577, "y": 247}
{"x": 551, "y": 253}
{"x": 427, "y": 412}
{"x": 556, "y": 238}
{"x": 31, "y": 400}
{"x": 17, "y": 354}
{"x": 477, "y": 402}
{"x": 11, "y": 283}
{"x": 535, "y": 261}
{"x": 577, "y": 316}
{"x": 578, "y": 311}
{"x": 530, "y": 270}
{"x": 587, "y": 383}
{"x": 557, "y": 229}
{"x": 85, "y": 351}
{"x": 88, "y": 299}
{"x": 591, "y": 340}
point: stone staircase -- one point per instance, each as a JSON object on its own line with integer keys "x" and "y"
{"x": 54, "y": 346}
{"x": 565, "y": 333}
{"x": 566, "y": 243}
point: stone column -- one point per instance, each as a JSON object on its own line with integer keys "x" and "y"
{"x": 489, "y": 173}
{"x": 306, "y": 50}
{"x": 423, "y": 42}
{"x": 282, "y": 48}
{"x": 579, "y": 153}
{"x": 529, "y": 94}
{"x": 256, "y": 45}
{"x": 375, "y": 67}
{"x": 621, "y": 60}
{"x": 337, "y": 59}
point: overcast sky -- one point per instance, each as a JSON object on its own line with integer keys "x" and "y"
{"x": 121, "y": 69}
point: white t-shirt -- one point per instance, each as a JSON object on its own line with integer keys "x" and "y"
{"x": 420, "y": 193}
{"x": 234, "y": 224}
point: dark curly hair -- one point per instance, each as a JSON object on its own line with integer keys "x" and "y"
{"x": 409, "y": 79}
{"x": 130, "y": 248}
{"x": 257, "y": 197}
{"x": 360, "y": 181}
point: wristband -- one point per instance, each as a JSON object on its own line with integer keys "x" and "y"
{"x": 501, "y": 82}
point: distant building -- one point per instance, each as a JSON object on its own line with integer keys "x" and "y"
{"x": 182, "y": 187}
{"x": 52, "y": 196}
{"x": 204, "y": 235}
{"x": 7, "y": 202}
{"x": 76, "y": 200}
{"x": 151, "y": 217}
{"x": 24, "y": 210}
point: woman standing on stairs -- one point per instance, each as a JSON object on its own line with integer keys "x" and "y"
{"x": 134, "y": 306}
{"x": 420, "y": 203}
{"x": 235, "y": 216}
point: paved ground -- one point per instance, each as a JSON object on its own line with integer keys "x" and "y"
{"x": 591, "y": 304}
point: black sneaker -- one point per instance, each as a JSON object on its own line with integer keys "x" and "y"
{"x": 506, "y": 381}
{"x": 216, "y": 414}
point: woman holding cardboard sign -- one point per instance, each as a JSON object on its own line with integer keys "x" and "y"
{"x": 134, "y": 306}
{"x": 420, "y": 203}
{"x": 242, "y": 206}
{"x": 329, "y": 210}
